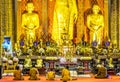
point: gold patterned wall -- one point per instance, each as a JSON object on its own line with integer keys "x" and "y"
{"x": 6, "y": 22}
{"x": 51, "y": 4}
{"x": 114, "y": 22}
{"x": 0, "y": 26}
{"x": 119, "y": 23}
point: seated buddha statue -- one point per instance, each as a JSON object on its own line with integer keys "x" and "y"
{"x": 41, "y": 51}
{"x": 104, "y": 51}
{"x": 110, "y": 63}
{"x": 39, "y": 62}
{"x": 115, "y": 51}
{"x": 30, "y": 22}
{"x": 27, "y": 62}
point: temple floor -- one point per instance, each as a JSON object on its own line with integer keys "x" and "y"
{"x": 112, "y": 78}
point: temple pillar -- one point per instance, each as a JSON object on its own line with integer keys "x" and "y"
{"x": 51, "y": 5}
{"x": 106, "y": 30}
{"x": 7, "y": 17}
{"x": 2, "y": 22}
{"x": 119, "y": 21}
{"x": 44, "y": 20}
{"x": 0, "y": 27}
{"x": 14, "y": 21}
{"x": 80, "y": 21}
{"x": 19, "y": 30}
{"x": 114, "y": 22}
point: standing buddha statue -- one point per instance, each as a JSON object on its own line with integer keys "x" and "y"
{"x": 65, "y": 15}
{"x": 30, "y": 22}
{"x": 95, "y": 23}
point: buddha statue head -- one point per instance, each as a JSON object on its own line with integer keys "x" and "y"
{"x": 29, "y": 7}
{"x": 96, "y": 9}
{"x": 27, "y": 56}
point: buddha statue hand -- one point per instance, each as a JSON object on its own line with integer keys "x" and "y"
{"x": 96, "y": 27}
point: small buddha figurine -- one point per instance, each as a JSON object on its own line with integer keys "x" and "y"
{"x": 115, "y": 51}
{"x": 110, "y": 63}
{"x": 39, "y": 62}
{"x": 78, "y": 50}
{"x": 41, "y": 51}
{"x": 104, "y": 51}
{"x": 97, "y": 60}
{"x": 27, "y": 62}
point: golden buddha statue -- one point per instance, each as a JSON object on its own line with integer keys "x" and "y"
{"x": 39, "y": 62}
{"x": 30, "y": 22}
{"x": 65, "y": 15}
{"x": 110, "y": 63}
{"x": 28, "y": 62}
{"x": 95, "y": 23}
